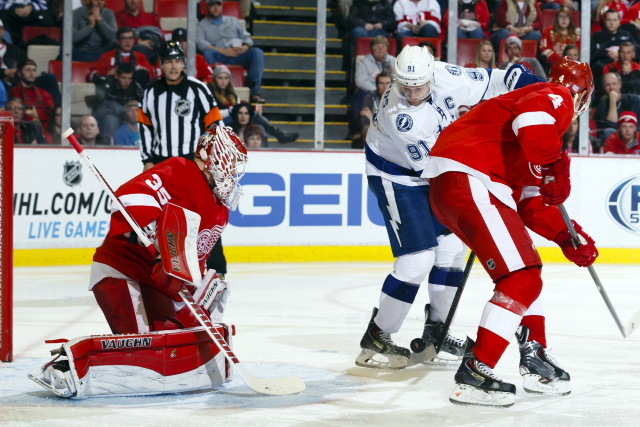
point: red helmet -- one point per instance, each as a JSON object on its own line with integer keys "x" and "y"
{"x": 577, "y": 77}
{"x": 225, "y": 156}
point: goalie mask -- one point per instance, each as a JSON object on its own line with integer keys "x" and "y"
{"x": 225, "y": 157}
{"x": 413, "y": 74}
{"x": 577, "y": 77}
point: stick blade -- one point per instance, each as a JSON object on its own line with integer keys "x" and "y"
{"x": 273, "y": 386}
{"x": 425, "y": 355}
{"x": 633, "y": 324}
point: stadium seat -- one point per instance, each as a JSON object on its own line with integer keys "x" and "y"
{"x": 415, "y": 41}
{"x": 170, "y": 24}
{"x": 467, "y": 50}
{"x": 42, "y": 54}
{"x": 362, "y": 47}
{"x": 548, "y": 16}
{"x": 79, "y": 70}
{"x": 30, "y": 32}
{"x": 116, "y": 5}
{"x": 170, "y": 8}
{"x": 237, "y": 75}
{"x": 229, "y": 8}
{"x": 529, "y": 50}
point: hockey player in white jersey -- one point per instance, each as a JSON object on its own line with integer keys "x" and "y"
{"x": 421, "y": 102}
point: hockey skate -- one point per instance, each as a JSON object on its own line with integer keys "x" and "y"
{"x": 476, "y": 384}
{"x": 540, "y": 372}
{"x": 379, "y": 351}
{"x": 432, "y": 332}
{"x": 55, "y": 377}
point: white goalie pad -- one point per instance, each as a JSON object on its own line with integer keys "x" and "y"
{"x": 177, "y": 235}
{"x": 137, "y": 364}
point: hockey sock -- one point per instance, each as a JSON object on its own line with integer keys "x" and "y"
{"x": 395, "y": 301}
{"x": 536, "y": 329}
{"x": 443, "y": 284}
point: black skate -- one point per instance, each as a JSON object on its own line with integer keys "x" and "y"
{"x": 540, "y": 372}
{"x": 430, "y": 335}
{"x": 379, "y": 351}
{"x": 476, "y": 384}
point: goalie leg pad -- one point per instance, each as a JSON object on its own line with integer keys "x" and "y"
{"x": 137, "y": 364}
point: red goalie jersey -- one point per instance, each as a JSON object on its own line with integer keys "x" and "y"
{"x": 506, "y": 140}
{"x": 175, "y": 180}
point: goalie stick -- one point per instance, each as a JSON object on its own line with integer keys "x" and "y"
{"x": 418, "y": 345}
{"x": 273, "y": 386}
{"x": 635, "y": 320}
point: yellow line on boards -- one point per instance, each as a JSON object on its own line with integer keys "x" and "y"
{"x": 83, "y": 256}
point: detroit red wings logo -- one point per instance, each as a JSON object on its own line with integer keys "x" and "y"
{"x": 535, "y": 170}
{"x": 206, "y": 239}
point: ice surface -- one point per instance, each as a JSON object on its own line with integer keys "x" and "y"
{"x": 307, "y": 320}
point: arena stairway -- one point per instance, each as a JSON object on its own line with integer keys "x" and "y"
{"x": 286, "y": 31}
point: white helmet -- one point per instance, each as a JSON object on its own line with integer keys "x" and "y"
{"x": 225, "y": 157}
{"x": 414, "y": 67}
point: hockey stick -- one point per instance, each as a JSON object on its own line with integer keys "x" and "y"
{"x": 274, "y": 386}
{"x": 576, "y": 242}
{"x": 418, "y": 345}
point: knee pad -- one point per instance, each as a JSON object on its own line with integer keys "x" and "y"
{"x": 413, "y": 268}
{"x": 451, "y": 252}
{"x": 517, "y": 291}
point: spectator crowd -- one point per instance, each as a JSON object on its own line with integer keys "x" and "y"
{"x": 121, "y": 47}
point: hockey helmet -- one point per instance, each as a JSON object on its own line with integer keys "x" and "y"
{"x": 577, "y": 77}
{"x": 413, "y": 75}
{"x": 171, "y": 50}
{"x": 224, "y": 156}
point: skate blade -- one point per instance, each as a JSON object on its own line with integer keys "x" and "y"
{"x": 372, "y": 359}
{"x": 443, "y": 359}
{"x": 38, "y": 379}
{"x": 464, "y": 394}
{"x": 532, "y": 384}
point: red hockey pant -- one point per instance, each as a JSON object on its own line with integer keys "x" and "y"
{"x": 497, "y": 235}
{"x": 133, "y": 307}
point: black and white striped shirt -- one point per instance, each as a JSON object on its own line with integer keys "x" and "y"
{"x": 171, "y": 118}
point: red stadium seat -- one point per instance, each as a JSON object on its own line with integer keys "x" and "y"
{"x": 170, "y": 8}
{"x": 237, "y": 75}
{"x": 362, "y": 47}
{"x": 467, "y": 50}
{"x": 79, "y": 70}
{"x": 415, "y": 41}
{"x": 549, "y": 16}
{"x": 231, "y": 8}
{"x": 30, "y": 32}
{"x": 117, "y": 5}
{"x": 529, "y": 50}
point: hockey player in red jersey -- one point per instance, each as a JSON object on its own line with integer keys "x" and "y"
{"x": 138, "y": 295}
{"x": 487, "y": 185}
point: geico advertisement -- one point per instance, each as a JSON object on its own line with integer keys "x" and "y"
{"x": 290, "y": 198}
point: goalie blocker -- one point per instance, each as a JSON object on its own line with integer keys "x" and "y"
{"x": 137, "y": 364}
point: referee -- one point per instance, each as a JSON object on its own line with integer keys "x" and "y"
{"x": 175, "y": 110}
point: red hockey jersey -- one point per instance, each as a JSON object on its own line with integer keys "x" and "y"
{"x": 503, "y": 140}
{"x": 176, "y": 180}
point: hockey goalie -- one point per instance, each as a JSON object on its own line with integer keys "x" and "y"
{"x": 157, "y": 344}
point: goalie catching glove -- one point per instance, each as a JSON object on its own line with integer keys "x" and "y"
{"x": 584, "y": 254}
{"x": 556, "y": 182}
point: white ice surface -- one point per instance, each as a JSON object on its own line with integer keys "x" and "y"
{"x": 307, "y": 320}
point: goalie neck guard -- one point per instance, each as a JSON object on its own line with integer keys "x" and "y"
{"x": 225, "y": 157}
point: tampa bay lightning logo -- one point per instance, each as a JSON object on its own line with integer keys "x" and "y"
{"x": 453, "y": 70}
{"x": 404, "y": 122}
{"x": 624, "y": 204}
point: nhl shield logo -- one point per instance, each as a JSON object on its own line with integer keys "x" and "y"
{"x": 72, "y": 174}
{"x": 491, "y": 264}
{"x": 404, "y": 122}
{"x": 183, "y": 107}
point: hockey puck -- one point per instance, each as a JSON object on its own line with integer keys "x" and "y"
{"x": 418, "y": 345}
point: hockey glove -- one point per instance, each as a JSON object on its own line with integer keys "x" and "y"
{"x": 585, "y": 254}
{"x": 556, "y": 183}
{"x": 167, "y": 284}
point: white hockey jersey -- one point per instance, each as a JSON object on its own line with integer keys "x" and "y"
{"x": 401, "y": 136}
